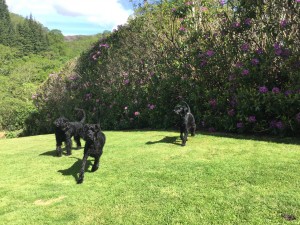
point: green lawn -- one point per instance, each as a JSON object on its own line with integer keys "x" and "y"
{"x": 146, "y": 177}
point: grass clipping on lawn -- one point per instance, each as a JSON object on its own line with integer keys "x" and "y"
{"x": 146, "y": 177}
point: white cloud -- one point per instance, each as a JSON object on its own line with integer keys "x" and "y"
{"x": 105, "y": 13}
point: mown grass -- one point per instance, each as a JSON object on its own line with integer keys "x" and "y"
{"x": 146, "y": 177}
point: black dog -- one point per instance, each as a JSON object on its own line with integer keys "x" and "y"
{"x": 65, "y": 130}
{"x": 187, "y": 121}
{"x": 94, "y": 143}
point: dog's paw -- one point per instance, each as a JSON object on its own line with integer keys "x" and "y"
{"x": 94, "y": 169}
{"x": 79, "y": 181}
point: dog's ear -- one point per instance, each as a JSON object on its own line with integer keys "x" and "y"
{"x": 97, "y": 127}
{"x": 185, "y": 110}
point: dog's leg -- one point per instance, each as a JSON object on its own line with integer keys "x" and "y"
{"x": 193, "y": 130}
{"x": 77, "y": 140}
{"x": 59, "y": 142}
{"x": 184, "y": 137}
{"x": 181, "y": 133}
{"x": 97, "y": 162}
{"x": 81, "y": 172}
{"x": 58, "y": 150}
{"x": 69, "y": 145}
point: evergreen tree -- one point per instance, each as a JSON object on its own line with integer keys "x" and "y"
{"x": 6, "y": 28}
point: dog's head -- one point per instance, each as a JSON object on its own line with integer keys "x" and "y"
{"x": 60, "y": 122}
{"x": 66, "y": 126}
{"x": 90, "y": 131}
{"x": 181, "y": 110}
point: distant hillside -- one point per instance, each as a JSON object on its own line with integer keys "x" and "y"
{"x": 29, "y": 54}
{"x": 16, "y": 19}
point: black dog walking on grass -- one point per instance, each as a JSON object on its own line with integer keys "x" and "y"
{"x": 187, "y": 121}
{"x": 94, "y": 143}
{"x": 65, "y": 130}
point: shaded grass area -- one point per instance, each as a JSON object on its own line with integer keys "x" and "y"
{"x": 146, "y": 177}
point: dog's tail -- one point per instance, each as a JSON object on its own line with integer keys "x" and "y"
{"x": 189, "y": 110}
{"x": 84, "y": 115}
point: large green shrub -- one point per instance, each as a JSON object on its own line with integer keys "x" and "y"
{"x": 235, "y": 62}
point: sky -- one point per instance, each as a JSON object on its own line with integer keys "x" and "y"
{"x": 75, "y": 17}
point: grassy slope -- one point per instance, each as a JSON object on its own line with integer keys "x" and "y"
{"x": 147, "y": 178}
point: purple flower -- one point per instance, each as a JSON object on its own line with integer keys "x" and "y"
{"x": 288, "y": 92}
{"x": 278, "y": 51}
{"x": 210, "y": 53}
{"x": 189, "y": 3}
{"x": 104, "y": 45}
{"x": 297, "y": 1}
{"x": 283, "y": 23}
{"x": 252, "y": 119}
{"x": 174, "y": 9}
{"x": 245, "y": 47}
{"x": 298, "y": 117}
{"x": 236, "y": 24}
{"x": 222, "y": 2}
{"x": 280, "y": 125}
{"x": 34, "y": 96}
{"x": 126, "y": 81}
{"x": 213, "y": 102}
{"x": 182, "y": 29}
{"x": 151, "y": 106}
{"x": 245, "y": 72}
{"x": 203, "y": 63}
{"x": 277, "y": 45}
{"x": 231, "y": 112}
{"x": 255, "y": 61}
{"x": 277, "y": 124}
{"x": 259, "y": 51}
{"x": 248, "y": 21}
{"x": 239, "y": 125}
{"x": 239, "y": 64}
{"x": 136, "y": 113}
{"x": 275, "y": 90}
{"x": 263, "y": 89}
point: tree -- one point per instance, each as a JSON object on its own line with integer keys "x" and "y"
{"x": 6, "y": 28}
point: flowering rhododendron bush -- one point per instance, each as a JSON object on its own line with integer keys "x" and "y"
{"x": 236, "y": 63}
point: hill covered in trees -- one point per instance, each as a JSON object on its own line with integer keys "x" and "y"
{"x": 29, "y": 53}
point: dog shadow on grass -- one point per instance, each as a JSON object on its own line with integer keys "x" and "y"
{"x": 54, "y": 152}
{"x": 74, "y": 169}
{"x": 166, "y": 139}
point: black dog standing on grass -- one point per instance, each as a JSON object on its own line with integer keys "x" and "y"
{"x": 94, "y": 143}
{"x": 187, "y": 121}
{"x": 65, "y": 130}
